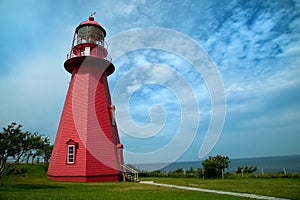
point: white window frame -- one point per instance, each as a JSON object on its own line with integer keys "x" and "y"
{"x": 87, "y": 51}
{"x": 71, "y": 154}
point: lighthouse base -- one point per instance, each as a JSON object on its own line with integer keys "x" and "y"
{"x": 100, "y": 178}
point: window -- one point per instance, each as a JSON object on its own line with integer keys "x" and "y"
{"x": 71, "y": 154}
{"x": 113, "y": 117}
{"x": 112, "y": 114}
{"x": 71, "y": 148}
{"x": 87, "y": 51}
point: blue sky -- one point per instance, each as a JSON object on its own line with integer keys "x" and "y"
{"x": 255, "y": 46}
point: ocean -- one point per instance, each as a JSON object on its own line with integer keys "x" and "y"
{"x": 291, "y": 164}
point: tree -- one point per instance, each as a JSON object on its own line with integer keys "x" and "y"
{"x": 214, "y": 165}
{"x": 199, "y": 173}
{"x": 46, "y": 150}
{"x": 40, "y": 146}
{"x": 190, "y": 171}
{"x": 35, "y": 143}
{"x": 178, "y": 173}
{"x": 17, "y": 146}
{"x": 13, "y": 144}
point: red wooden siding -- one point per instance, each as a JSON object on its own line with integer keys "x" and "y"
{"x": 97, "y": 158}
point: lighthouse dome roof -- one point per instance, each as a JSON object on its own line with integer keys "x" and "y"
{"x": 90, "y": 22}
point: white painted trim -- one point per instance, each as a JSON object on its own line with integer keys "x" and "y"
{"x": 68, "y": 154}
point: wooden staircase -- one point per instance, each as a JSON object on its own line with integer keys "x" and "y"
{"x": 130, "y": 174}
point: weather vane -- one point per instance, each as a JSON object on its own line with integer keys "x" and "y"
{"x": 94, "y": 13}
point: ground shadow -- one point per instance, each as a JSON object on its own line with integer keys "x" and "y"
{"x": 37, "y": 186}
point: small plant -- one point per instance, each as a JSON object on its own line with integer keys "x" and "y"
{"x": 19, "y": 170}
{"x": 246, "y": 169}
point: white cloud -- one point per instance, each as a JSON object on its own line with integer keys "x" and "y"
{"x": 256, "y": 47}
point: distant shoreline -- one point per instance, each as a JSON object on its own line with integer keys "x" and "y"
{"x": 271, "y": 164}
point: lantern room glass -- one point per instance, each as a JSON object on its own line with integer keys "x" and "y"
{"x": 90, "y": 34}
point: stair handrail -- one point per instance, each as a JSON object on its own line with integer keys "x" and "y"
{"x": 127, "y": 168}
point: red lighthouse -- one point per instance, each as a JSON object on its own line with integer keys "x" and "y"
{"x": 87, "y": 146}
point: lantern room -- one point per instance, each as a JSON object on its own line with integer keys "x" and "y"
{"x": 89, "y": 40}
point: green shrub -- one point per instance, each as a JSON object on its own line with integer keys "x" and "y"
{"x": 156, "y": 173}
{"x": 246, "y": 169}
{"x": 18, "y": 170}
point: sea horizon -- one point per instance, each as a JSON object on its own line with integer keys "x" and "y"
{"x": 265, "y": 164}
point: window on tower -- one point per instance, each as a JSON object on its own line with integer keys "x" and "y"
{"x": 112, "y": 114}
{"x": 72, "y": 148}
{"x": 71, "y": 154}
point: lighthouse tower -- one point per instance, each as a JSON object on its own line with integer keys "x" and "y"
{"x": 87, "y": 146}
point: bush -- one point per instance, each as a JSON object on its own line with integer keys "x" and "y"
{"x": 156, "y": 173}
{"x": 19, "y": 170}
{"x": 266, "y": 176}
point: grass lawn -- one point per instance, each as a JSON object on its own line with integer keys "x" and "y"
{"x": 277, "y": 187}
{"x": 35, "y": 185}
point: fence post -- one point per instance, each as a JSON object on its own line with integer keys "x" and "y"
{"x": 222, "y": 173}
{"x": 284, "y": 171}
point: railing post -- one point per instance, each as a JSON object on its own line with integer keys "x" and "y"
{"x": 134, "y": 172}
